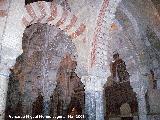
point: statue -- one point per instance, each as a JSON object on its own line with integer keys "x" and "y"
{"x": 118, "y": 69}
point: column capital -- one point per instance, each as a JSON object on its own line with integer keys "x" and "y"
{"x": 139, "y": 87}
{"x": 5, "y": 66}
{"x": 93, "y": 83}
{"x": 139, "y": 83}
{"x": 4, "y": 70}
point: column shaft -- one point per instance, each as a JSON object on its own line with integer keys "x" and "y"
{"x": 94, "y": 97}
{"x": 46, "y": 110}
{"x": 94, "y": 105}
{"x": 99, "y": 105}
{"x": 3, "y": 95}
{"x": 142, "y": 109}
{"x": 90, "y": 106}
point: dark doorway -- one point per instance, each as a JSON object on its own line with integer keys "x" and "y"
{"x": 118, "y": 94}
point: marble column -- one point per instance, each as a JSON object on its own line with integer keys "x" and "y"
{"x": 4, "y": 76}
{"x": 140, "y": 87}
{"x": 46, "y": 109}
{"x": 142, "y": 109}
{"x": 142, "y": 106}
{"x": 94, "y": 97}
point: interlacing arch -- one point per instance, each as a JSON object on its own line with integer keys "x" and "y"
{"x": 53, "y": 14}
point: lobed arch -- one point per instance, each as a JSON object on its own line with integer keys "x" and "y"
{"x": 43, "y": 12}
{"x": 140, "y": 32}
{"x": 135, "y": 46}
{"x": 56, "y": 15}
